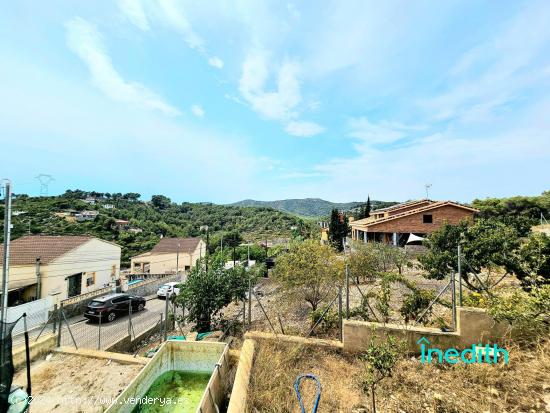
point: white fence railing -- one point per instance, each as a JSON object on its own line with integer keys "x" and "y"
{"x": 37, "y": 314}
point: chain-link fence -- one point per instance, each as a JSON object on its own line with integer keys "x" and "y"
{"x": 109, "y": 328}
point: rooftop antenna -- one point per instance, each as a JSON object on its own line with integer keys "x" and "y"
{"x": 428, "y": 187}
{"x": 44, "y": 180}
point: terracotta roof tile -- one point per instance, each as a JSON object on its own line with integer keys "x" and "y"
{"x": 26, "y": 249}
{"x": 169, "y": 245}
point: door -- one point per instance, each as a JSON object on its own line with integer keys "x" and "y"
{"x": 122, "y": 304}
{"x": 75, "y": 285}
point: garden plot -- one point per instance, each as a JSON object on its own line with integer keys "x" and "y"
{"x": 69, "y": 383}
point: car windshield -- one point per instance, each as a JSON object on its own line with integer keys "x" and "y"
{"x": 96, "y": 303}
{"x": 166, "y": 286}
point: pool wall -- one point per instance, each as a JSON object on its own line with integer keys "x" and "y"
{"x": 204, "y": 356}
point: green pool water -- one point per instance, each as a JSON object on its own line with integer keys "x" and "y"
{"x": 184, "y": 389}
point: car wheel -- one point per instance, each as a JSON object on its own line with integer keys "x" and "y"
{"x": 111, "y": 317}
{"x": 140, "y": 307}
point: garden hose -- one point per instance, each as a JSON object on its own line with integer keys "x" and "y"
{"x": 299, "y": 395}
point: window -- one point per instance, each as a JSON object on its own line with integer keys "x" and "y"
{"x": 90, "y": 279}
{"x": 427, "y": 219}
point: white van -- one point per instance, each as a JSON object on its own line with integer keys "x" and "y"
{"x": 166, "y": 290}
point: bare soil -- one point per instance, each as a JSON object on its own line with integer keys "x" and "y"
{"x": 74, "y": 384}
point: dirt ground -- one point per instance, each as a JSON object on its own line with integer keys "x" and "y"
{"x": 294, "y": 315}
{"x": 521, "y": 386}
{"x": 74, "y": 384}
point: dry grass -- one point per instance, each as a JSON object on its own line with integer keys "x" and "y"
{"x": 521, "y": 386}
{"x": 277, "y": 365}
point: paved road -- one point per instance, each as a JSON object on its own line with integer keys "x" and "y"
{"x": 88, "y": 335}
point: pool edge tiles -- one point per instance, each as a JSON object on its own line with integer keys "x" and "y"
{"x": 204, "y": 356}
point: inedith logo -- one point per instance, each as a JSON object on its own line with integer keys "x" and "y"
{"x": 477, "y": 354}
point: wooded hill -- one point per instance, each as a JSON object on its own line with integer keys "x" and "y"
{"x": 160, "y": 216}
{"x": 309, "y": 207}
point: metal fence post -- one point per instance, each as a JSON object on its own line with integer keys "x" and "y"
{"x": 54, "y": 319}
{"x": 459, "y": 275}
{"x": 130, "y": 319}
{"x": 244, "y": 316}
{"x": 347, "y": 292}
{"x": 60, "y": 326}
{"x": 163, "y": 327}
{"x": 453, "y": 295}
{"x": 166, "y": 310}
{"x": 340, "y": 322}
{"x": 99, "y": 332}
{"x": 249, "y": 300}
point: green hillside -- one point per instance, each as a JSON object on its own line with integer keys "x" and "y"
{"x": 147, "y": 220}
{"x": 308, "y": 207}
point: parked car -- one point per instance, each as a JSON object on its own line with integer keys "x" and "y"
{"x": 109, "y": 307}
{"x": 166, "y": 290}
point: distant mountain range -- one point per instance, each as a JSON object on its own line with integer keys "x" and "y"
{"x": 308, "y": 207}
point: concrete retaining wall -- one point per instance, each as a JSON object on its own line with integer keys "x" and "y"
{"x": 126, "y": 344}
{"x": 42, "y": 346}
{"x": 474, "y": 326}
{"x": 239, "y": 393}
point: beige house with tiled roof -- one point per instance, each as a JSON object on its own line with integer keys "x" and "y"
{"x": 68, "y": 266}
{"x": 168, "y": 254}
{"x": 410, "y": 221}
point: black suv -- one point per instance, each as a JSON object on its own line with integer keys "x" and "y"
{"x": 108, "y": 307}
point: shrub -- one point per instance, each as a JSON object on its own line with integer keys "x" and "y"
{"x": 330, "y": 321}
{"x": 415, "y": 303}
{"x": 527, "y": 312}
{"x": 380, "y": 359}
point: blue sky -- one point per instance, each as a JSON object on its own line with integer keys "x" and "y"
{"x": 220, "y": 101}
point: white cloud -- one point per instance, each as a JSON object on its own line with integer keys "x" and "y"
{"x": 371, "y": 133}
{"x": 496, "y": 72}
{"x": 275, "y": 105}
{"x": 280, "y": 104}
{"x": 84, "y": 40}
{"x": 133, "y": 11}
{"x": 197, "y": 110}
{"x": 304, "y": 129}
{"x": 176, "y": 17}
{"x": 215, "y": 62}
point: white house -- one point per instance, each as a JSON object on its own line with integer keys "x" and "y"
{"x": 168, "y": 254}
{"x": 86, "y": 216}
{"x": 67, "y": 266}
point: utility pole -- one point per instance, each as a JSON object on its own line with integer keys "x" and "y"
{"x": 38, "y": 280}
{"x": 6, "y": 258}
